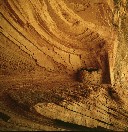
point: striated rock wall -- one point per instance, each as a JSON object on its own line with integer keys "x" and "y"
{"x": 121, "y": 63}
{"x": 44, "y": 29}
{"x": 46, "y": 50}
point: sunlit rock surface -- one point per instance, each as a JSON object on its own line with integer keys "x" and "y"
{"x": 64, "y": 65}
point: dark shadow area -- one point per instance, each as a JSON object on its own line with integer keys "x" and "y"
{"x": 13, "y": 104}
{"x": 106, "y": 70}
{"x": 114, "y": 95}
{"x": 78, "y": 75}
{"x": 91, "y": 69}
{"x": 75, "y": 127}
{"x": 4, "y": 117}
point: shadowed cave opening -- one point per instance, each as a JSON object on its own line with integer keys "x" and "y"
{"x": 100, "y": 74}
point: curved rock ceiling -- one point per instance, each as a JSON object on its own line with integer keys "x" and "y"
{"x": 59, "y": 35}
{"x": 50, "y": 41}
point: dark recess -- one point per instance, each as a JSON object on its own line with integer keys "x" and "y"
{"x": 75, "y": 127}
{"x": 4, "y": 117}
{"x": 105, "y": 67}
{"x": 114, "y": 95}
{"x": 79, "y": 76}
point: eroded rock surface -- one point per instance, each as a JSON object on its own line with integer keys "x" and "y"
{"x": 64, "y": 65}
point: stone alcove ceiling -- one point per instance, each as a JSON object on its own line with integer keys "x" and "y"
{"x": 59, "y": 39}
{"x": 43, "y": 45}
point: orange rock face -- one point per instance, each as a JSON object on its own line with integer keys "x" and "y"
{"x": 47, "y": 48}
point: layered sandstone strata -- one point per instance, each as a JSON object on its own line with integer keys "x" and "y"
{"x": 47, "y": 48}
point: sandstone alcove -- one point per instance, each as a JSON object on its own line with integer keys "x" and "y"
{"x": 64, "y": 65}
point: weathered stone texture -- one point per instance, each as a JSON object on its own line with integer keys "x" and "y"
{"x": 64, "y": 65}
